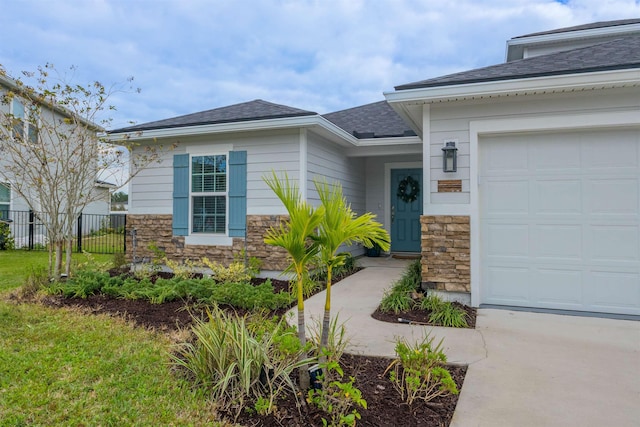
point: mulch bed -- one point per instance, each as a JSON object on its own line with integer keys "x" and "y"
{"x": 385, "y": 407}
{"x": 422, "y": 316}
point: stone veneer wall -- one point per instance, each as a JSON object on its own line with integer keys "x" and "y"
{"x": 446, "y": 261}
{"x": 157, "y": 229}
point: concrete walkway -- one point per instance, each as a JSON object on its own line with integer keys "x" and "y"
{"x": 525, "y": 369}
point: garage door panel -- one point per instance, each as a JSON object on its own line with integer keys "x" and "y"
{"x": 611, "y": 196}
{"x": 507, "y": 157}
{"x": 508, "y": 240}
{"x": 558, "y": 287}
{"x": 560, "y": 228}
{"x": 566, "y": 158}
{"x": 558, "y": 242}
{"x": 618, "y": 152}
{"x": 554, "y": 196}
{"x": 507, "y": 197}
{"x": 614, "y": 243}
{"x": 510, "y": 285}
{"x": 613, "y": 291}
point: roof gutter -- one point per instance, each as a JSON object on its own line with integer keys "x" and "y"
{"x": 495, "y": 88}
{"x": 240, "y": 126}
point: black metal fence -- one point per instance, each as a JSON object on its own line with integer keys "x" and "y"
{"x": 93, "y": 232}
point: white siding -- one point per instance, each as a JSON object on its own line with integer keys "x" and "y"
{"x": 451, "y": 121}
{"x": 152, "y": 188}
{"x": 328, "y": 160}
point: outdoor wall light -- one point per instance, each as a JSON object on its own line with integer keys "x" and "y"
{"x": 449, "y": 157}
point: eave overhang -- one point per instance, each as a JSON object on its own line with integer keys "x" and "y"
{"x": 408, "y": 103}
{"x": 315, "y": 123}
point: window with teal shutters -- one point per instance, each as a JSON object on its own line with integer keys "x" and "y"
{"x": 180, "y": 194}
{"x": 237, "y": 193}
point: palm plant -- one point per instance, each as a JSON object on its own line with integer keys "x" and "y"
{"x": 340, "y": 225}
{"x": 297, "y": 236}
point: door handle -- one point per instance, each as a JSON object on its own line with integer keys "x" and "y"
{"x": 393, "y": 213}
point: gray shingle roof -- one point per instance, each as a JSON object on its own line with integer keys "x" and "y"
{"x": 376, "y": 120}
{"x": 594, "y": 25}
{"x": 246, "y": 111}
{"x": 622, "y": 53}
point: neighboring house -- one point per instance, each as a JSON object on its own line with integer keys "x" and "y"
{"x": 15, "y": 207}
{"x": 542, "y": 208}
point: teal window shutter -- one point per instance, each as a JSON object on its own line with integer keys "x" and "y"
{"x": 180, "y": 194}
{"x": 237, "y": 193}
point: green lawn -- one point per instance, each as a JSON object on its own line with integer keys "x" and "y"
{"x": 106, "y": 243}
{"x": 16, "y": 265}
{"x": 61, "y": 367}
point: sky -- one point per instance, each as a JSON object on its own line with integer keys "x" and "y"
{"x": 193, "y": 55}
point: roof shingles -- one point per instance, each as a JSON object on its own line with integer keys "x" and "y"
{"x": 246, "y": 111}
{"x": 622, "y": 53}
{"x": 376, "y": 120}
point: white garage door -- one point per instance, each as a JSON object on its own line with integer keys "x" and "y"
{"x": 559, "y": 218}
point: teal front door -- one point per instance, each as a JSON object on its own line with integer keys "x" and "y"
{"x": 406, "y": 208}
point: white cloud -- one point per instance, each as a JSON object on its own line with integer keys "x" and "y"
{"x": 323, "y": 56}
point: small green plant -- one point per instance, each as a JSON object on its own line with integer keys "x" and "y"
{"x": 419, "y": 371}
{"x": 337, "y": 340}
{"x": 252, "y": 264}
{"x": 37, "y": 279}
{"x": 399, "y": 297}
{"x": 396, "y": 301}
{"x": 447, "y": 314}
{"x": 7, "y": 241}
{"x": 339, "y": 399}
{"x": 431, "y": 302}
{"x": 234, "y": 273}
{"x": 90, "y": 263}
{"x": 182, "y": 270}
{"x": 119, "y": 260}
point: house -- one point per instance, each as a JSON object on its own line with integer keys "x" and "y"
{"x": 519, "y": 183}
{"x": 13, "y": 206}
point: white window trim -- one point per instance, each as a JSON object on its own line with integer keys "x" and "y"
{"x": 27, "y": 120}
{"x": 217, "y": 239}
{"x": 9, "y": 203}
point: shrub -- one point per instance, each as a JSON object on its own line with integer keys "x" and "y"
{"x": 182, "y": 270}
{"x": 249, "y": 297}
{"x": 238, "y": 365}
{"x": 253, "y": 264}
{"x": 419, "y": 371}
{"x": 234, "y": 273}
{"x": 7, "y": 241}
{"x": 119, "y": 260}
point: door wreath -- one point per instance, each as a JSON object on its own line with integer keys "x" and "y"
{"x": 408, "y": 190}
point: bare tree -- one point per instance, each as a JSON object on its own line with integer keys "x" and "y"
{"x": 53, "y": 147}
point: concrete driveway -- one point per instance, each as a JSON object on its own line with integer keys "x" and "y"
{"x": 552, "y": 370}
{"x": 525, "y": 369}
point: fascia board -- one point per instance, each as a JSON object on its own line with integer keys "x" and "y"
{"x": 401, "y": 140}
{"x": 573, "y": 35}
{"x": 243, "y": 126}
{"x": 567, "y": 82}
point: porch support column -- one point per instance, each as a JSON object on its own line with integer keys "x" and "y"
{"x": 303, "y": 164}
{"x": 426, "y": 158}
